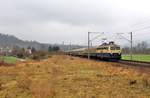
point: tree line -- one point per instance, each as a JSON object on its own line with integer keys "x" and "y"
{"x": 140, "y": 48}
{"x": 53, "y": 48}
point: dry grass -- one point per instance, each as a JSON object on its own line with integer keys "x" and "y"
{"x": 69, "y": 77}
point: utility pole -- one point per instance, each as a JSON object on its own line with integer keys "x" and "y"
{"x": 90, "y": 41}
{"x": 88, "y": 45}
{"x": 70, "y": 46}
{"x": 63, "y": 44}
{"x": 131, "y": 45}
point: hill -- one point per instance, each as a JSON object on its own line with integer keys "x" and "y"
{"x": 11, "y": 41}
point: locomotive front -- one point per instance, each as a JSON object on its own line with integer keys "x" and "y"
{"x": 109, "y": 51}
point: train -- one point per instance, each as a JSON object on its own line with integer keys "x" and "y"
{"x": 105, "y": 51}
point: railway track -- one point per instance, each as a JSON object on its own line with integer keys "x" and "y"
{"x": 135, "y": 63}
{"x": 128, "y": 62}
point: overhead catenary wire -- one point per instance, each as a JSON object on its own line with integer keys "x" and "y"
{"x": 130, "y": 28}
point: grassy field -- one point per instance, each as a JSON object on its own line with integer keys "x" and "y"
{"x": 137, "y": 57}
{"x": 69, "y": 77}
{"x": 8, "y": 59}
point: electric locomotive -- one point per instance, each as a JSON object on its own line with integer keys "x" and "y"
{"x": 104, "y": 51}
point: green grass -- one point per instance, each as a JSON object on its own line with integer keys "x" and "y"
{"x": 139, "y": 57}
{"x": 8, "y": 59}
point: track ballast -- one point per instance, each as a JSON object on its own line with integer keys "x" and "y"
{"x": 135, "y": 63}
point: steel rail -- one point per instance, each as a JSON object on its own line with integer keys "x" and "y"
{"x": 135, "y": 63}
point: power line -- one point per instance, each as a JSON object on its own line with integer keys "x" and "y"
{"x": 135, "y": 30}
{"x": 129, "y": 40}
{"x": 97, "y": 36}
{"x": 89, "y": 40}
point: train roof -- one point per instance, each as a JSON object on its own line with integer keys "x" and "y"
{"x": 79, "y": 49}
{"x": 102, "y": 45}
{"x": 109, "y": 44}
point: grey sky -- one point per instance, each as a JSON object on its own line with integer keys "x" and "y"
{"x": 54, "y": 21}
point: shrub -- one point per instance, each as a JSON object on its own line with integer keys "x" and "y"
{"x": 20, "y": 55}
{"x": 36, "y": 57}
{"x": 39, "y": 55}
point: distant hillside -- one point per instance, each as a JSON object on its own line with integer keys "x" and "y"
{"x": 10, "y": 41}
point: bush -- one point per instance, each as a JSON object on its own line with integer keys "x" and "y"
{"x": 35, "y": 57}
{"x": 20, "y": 55}
{"x": 39, "y": 55}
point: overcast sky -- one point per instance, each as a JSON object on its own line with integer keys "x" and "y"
{"x": 55, "y": 21}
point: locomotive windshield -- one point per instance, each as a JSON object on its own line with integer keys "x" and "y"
{"x": 115, "y": 48}
{"x": 102, "y": 48}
